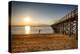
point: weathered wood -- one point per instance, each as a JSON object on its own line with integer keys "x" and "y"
{"x": 68, "y": 24}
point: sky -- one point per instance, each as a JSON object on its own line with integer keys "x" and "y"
{"x": 39, "y": 13}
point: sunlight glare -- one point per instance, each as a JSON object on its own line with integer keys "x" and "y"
{"x": 27, "y": 29}
{"x": 27, "y": 19}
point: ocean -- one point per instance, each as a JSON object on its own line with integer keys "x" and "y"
{"x": 31, "y": 30}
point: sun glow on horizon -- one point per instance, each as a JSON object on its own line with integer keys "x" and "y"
{"x": 27, "y": 19}
{"x": 27, "y": 29}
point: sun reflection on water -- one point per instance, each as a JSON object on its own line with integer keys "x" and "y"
{"x": 27, "y": 29}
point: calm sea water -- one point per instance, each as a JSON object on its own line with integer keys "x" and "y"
{"x": 31, "y": 30}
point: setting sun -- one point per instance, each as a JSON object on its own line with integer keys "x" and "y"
{"x": 27, "y": 29}
{"x": 27, "y": 19}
